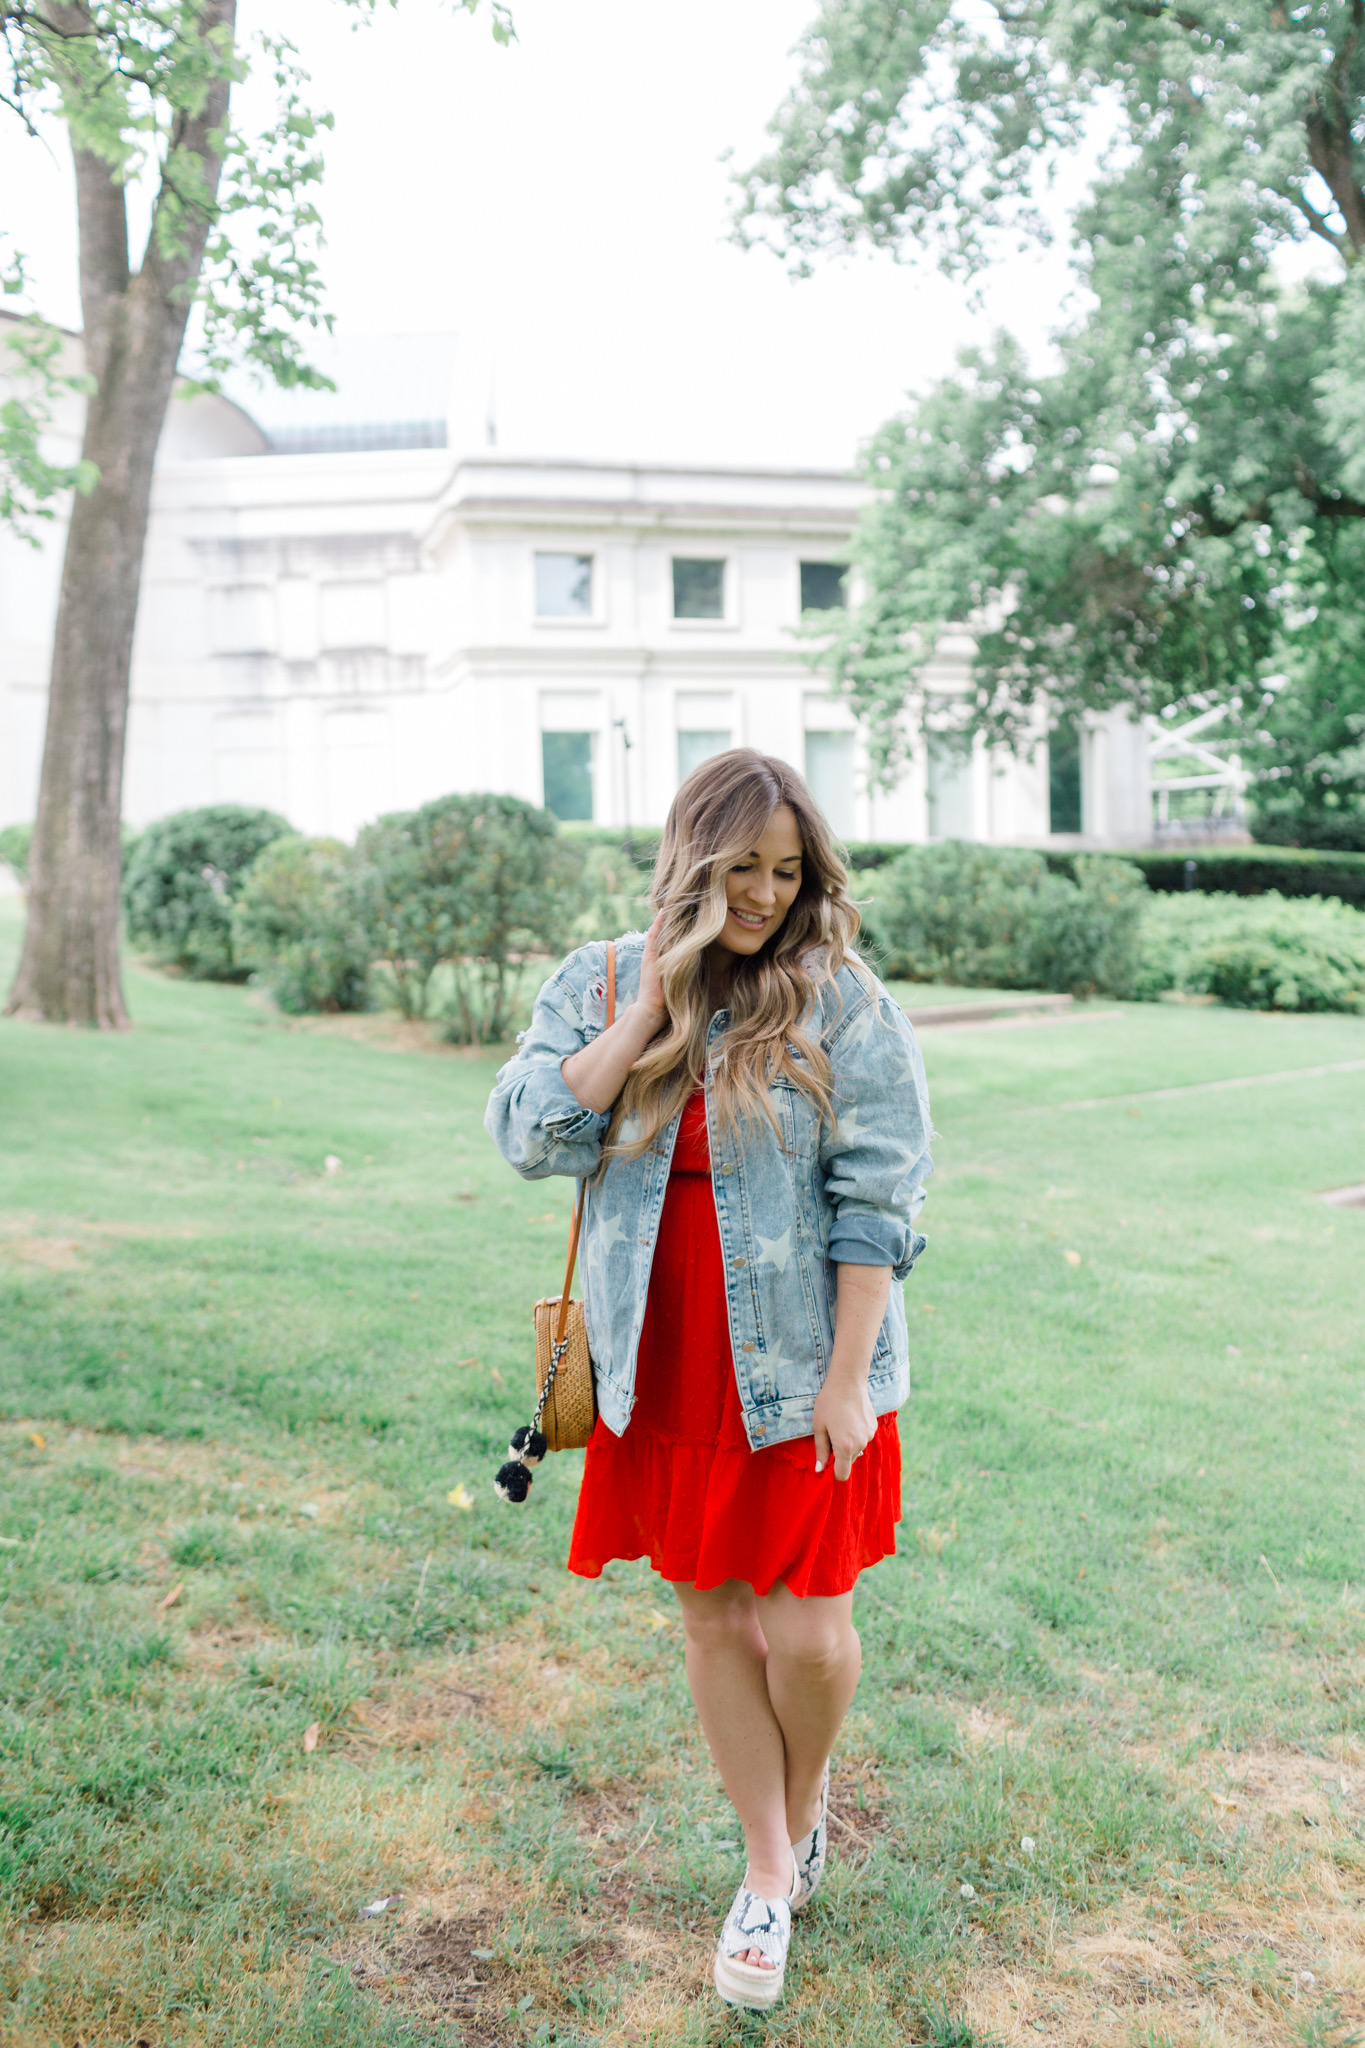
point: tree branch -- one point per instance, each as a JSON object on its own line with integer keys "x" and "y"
{"x": 181, "y": 215}
{"x": 1332, "y": 504}
{"x": 1318, "y": 224}
{"x": 1332, "y": 155}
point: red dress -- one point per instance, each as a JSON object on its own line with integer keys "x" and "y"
{"x": 682, "y": 1486}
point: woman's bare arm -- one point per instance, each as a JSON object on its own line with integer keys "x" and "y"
{"x": 844, "y": 1421}
{"x": 597, "y": 1074}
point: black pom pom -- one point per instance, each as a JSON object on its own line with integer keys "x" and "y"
{"x": 513, "y": 1481}
{"x": 528, "y": 1445}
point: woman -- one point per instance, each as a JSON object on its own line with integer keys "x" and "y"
{"x": 754, "y": 1129}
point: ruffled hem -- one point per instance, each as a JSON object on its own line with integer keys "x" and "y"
{"x": 706, "y": 1513}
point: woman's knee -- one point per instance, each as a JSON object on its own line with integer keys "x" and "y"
{"x": 722, "y": 1618}
{"x": 816, "y": 1637}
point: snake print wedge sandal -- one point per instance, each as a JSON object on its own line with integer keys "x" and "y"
{"x": 754, "y": 1923}
{"x": 810, "y": 1853}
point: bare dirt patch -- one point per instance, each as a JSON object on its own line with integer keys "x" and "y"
{"x": 1275, "y": 1946}
{"x": 56, "y": 1245}
{"x": 384, "y": 1031}
{"x": 411, "y": 1720}
{"x": 1284, "y": 1784}
{"x": 980, "y": 1729}
{"x": 434, "y": 1969}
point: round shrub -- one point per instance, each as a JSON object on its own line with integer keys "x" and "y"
{"x": 996, "y": 917}
{"x": 291, "y": 924}
{"x": 1089, "y": 931}
{"x": 179, "y": 886}
{"x": 469, "y": 886}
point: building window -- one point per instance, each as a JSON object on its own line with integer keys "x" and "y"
{"x": 698, "y": 588}
{"x": 696, "y": 747}
{"x": 950, "y": 786}
{"x": 1064, "y": 777}
{"x": 823, "y": 587}
{"x": 829, "y": 771}
{"x": 567, "y": 764}
{"x": 563, "y": 586}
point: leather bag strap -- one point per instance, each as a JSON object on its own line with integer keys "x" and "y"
{"x": 582, "y": 1185}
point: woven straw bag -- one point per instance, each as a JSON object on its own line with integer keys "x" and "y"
{"x": 568, "y": 1400}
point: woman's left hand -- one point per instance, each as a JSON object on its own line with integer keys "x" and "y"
{"x": 844, "y": 1424}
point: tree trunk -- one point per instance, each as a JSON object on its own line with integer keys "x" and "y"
{"x": 134, "y": 328}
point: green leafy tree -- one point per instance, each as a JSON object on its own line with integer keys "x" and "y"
{"x": 32, "y": 368}
{"x": 1141, "y": 526}
{"x": 144, "y": 90}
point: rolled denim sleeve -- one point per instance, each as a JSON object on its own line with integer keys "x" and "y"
{"x": 876, "y": 1157}
{"x": 533, "y": 1116}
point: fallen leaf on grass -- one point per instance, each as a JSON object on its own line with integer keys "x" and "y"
{"x": 40, "y": 1441}
{"x": 460, "y": 1497}
{"x": 657, "y": 1621}
{"x": 1072, "y": 1258}
{"x": 169, "y": 1599}
{"x": 331, "y": 1164}
{"x": 495, "y": 1374}
{"x": 466, "y": 1361}
{"x": 378, "y": 1906}
{"x": 1228, "y": 1805}
{"x": 310, "y": 1737}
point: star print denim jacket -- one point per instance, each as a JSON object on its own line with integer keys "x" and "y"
{"x": 788, "y": 1212}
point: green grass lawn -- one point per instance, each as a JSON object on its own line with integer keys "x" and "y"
{"x": 1104, "y": 1780}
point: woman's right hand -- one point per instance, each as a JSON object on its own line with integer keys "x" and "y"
{"x": 597, "y": 1074}
{"x": 651, "y": 994}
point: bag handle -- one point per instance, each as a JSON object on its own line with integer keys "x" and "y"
{"x": 582, "y": 1185}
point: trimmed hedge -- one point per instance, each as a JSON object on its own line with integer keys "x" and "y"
{"x": 867, "y": 854}
{"x": 1221, "y": 870}
{"x": 1242, "y": 870}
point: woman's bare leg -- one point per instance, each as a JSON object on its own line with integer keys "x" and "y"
{"x": 814, "y": 1658}
{"x": 726, "y": 1658}
{"x": 772, "y": 1680}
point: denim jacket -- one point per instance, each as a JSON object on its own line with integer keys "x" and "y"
{"x": 788, "y": 1212}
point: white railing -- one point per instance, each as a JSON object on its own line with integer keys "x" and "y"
{"x": 1221, "y": 772}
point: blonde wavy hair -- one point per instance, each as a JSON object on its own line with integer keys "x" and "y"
{"x": 716, "y": 819}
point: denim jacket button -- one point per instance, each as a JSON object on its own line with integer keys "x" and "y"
{"x": 741, "y": 1262}
{"x": 746, "y": 1347}
{"x": 728, "y": 1167}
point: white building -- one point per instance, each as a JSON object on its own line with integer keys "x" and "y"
{"x": 342, "y": 616}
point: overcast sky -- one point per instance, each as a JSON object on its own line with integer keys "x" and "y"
{"x": 561, "y": 205}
